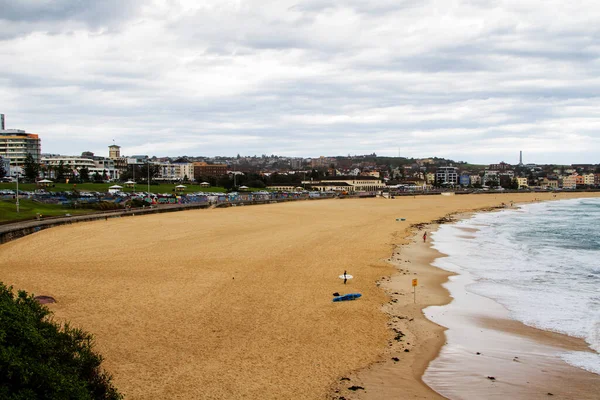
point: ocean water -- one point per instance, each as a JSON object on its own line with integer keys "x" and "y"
{"x": 540, "y": 261}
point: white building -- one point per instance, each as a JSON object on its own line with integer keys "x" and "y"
{"x": 175, "y": 171}
{"x": 74, "y": 164}
{"x": 350, "y": 184}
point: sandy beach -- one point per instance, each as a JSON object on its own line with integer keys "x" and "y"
{"x": 236, "y": 303}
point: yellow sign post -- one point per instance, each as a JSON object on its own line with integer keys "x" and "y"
{"x": 414, "y": 284}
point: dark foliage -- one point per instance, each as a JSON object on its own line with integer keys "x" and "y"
{"x": 31, "y": 168}
{"x": 40, "y": 359}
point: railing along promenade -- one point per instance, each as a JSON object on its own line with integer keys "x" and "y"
{"x": 15, "y": 230}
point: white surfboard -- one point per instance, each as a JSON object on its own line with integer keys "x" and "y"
{"x": 348, "y": 276}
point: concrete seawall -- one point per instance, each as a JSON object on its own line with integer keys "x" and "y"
{"x": 17, "y": 230}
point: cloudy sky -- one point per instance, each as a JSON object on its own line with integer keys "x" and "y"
{"x": 472, "y": 80}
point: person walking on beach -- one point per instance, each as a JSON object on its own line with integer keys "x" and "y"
{"x": 424, "y": 237}
{"x": 345, "y": 278}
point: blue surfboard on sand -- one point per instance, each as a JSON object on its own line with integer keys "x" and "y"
{"x": 349, "y": 296}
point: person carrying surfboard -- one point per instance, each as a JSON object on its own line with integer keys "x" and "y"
{"x": 345, "y": 278}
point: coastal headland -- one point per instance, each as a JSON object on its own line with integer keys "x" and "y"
{"x": 236, "y": 303}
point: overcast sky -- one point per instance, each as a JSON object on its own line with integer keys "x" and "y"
{"x": 474, "y": 80}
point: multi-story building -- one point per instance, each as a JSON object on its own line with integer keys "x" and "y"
{"x": 176, "y": 171}
{"x": 430, "y": 178}
{"x": 569, "y": 181}
{"x": 490, "y": 176}
{"x": 522, "y": 182}
{"x": 204, "y": 169}
{"x": 103, "y": 166}
{"x": 70, "y": 163}
{"x": 16, "y": 144}
{"x": 588, "y": 179}
{"x": 296, "y": 163}
{"x": 447, "y": 175}
{"x": 465, "y": 179}
{"x": 475, "y": 180}
{"x": 500, "y": 167}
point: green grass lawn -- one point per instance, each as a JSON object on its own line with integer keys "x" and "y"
{"x": 28, "y": 209}
{"x": 103, "y": 187}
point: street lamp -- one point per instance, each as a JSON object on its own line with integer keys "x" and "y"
{"x": 17, "y": 191}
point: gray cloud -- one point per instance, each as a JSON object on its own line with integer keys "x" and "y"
{"x": 90, "y": 11}
{"x": 470, "y": 80}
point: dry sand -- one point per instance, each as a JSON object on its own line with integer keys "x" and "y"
{"x": 236, "y": 303}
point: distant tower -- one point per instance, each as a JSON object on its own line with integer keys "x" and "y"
{"x": 114, "y": 152}
{"x": 2, "y": 127}
{"x": 521, "y": 157}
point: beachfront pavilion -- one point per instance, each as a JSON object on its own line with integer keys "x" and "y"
{"x": 339, "y": 187}
{"x": 284, "y": 188}
{"x": 44, "y": 183}
{"x": 350, "y": 184}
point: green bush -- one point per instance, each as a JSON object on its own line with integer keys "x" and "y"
{"x": 41, "y": 359}
{"x": 136, "y": 203}
{"x": 106, "y": 206}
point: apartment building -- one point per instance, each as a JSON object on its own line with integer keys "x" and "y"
{"x": 465, "y": 179}
{"x": 16, "y": 144}
{"x": 430, "y": 178}
{"x": 176, "y": 171}
{"x": 588, "y": 179}
{"x": 490, "y": 176}
{"x": 204, "y": 169}
{"x": 475, "y": 179}
{"x": 522, "y": 182}
{"x": 446, "y": 175}
{"x": 569, "y": 181}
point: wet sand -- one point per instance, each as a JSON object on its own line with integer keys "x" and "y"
{"x": 236, "y": 303}
{"x": 488, "y": 355}
{"x": 484, "y": 354}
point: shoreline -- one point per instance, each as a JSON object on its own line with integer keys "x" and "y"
{"x": 386, "y": 379}
{"x": 416, "y": 340}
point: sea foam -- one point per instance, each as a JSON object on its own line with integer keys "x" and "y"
{"x": 540, "y": 261}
